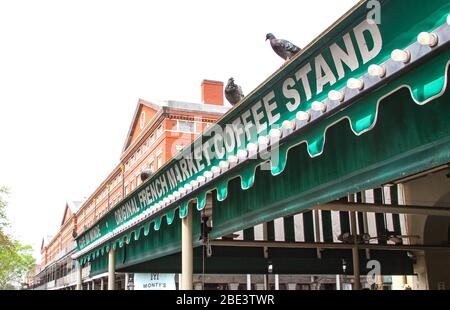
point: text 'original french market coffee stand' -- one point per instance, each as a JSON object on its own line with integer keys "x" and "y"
{"x": 364, "y": 105}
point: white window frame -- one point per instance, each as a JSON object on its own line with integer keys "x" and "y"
{"x": 159, "y": 131}
{"x": 194, "y": 125}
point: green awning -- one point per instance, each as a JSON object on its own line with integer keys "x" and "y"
{"x": 395, "y": 129}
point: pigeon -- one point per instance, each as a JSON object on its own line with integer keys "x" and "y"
{"x": 283, "y": 48}
{"x": 146, "y": 174}
{"x": 233, "y": 92}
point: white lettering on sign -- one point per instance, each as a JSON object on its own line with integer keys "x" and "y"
{"x": 89, "y": 236}
{"x": 341, "y": 57}
{"x": 371, "y": 29}
{"x": 324, "y": 70}
{"x": 154, "y": 281}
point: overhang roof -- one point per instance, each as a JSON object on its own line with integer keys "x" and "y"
{"x": 368, "y": 139}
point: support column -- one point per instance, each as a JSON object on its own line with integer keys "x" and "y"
{"x": 101, "y": 284}
{"x": 355, "y": 253}
{"x": 249, "y": 282}
{"x": 186, "y": 251}
{"x": 277, "y": 282}
{"x": 317, "y": 231}
{"x": 338, "y": 282}
{"x": 266, "y": 256}
{"x": 111, "y": 269}
{"x": 127, "y": 279}
{"x": 266, "y": 282}
{"x": 79, "y": 276}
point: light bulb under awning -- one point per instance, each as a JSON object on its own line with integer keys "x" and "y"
{"x": 215, "y": 169}
{"x": 401, "y": 56}
{"x": 275, "y": 133}
{"x": 355, "y": 84}
{"x": 336, "y": 95}
{"x": 263, "y": 140}
{"x": 318, "y": 106}
{"x": 224, "y": 164}
{"x": 232, "y": 159}
{"x": 303, "y": 116}
{"x": 428, "y": 39}
{"x": 242, "y": 154}
{"x": 377, "y": 70}
{"x": 288, "y": 125}
{"x": 252, "y": 147}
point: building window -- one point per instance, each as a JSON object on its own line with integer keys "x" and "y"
{"x": 152, "y": 166}
{"x": 142, "y": 120}
{"x": 152, "y": 139}
{"x": 159, "y": 131}
{"x": 138, "y": 180}
{"x": 186, "y": 126}
{"x": 159, "y": 161}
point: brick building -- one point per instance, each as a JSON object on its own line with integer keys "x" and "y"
{"x": 158, "y": 131}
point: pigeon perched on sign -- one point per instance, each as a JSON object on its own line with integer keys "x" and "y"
{"x": 283, "y": 48}
{"x": 146, "y": 174}
{"x": 233, "y": 92}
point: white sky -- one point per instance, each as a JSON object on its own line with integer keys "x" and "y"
{"x": 71, "y": 73}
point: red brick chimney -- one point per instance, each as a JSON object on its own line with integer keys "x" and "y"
{"x": 212, "y": 92}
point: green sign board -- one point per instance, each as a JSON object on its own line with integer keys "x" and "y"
{"x": 320, "y": 80}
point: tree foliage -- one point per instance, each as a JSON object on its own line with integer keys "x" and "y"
{"x": 16, "y": 260}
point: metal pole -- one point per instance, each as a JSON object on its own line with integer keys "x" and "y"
{"x": 79, "y": 276}
{"x": 355, "y": 253}
{"x": 317, "y": 231}
{"x": 266, "y": 282}
{"x": 266, "y": 255}
{"x": 111, "y": 269}
{"x": 127, "y": 279}
{"x": 186, "y": 251}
